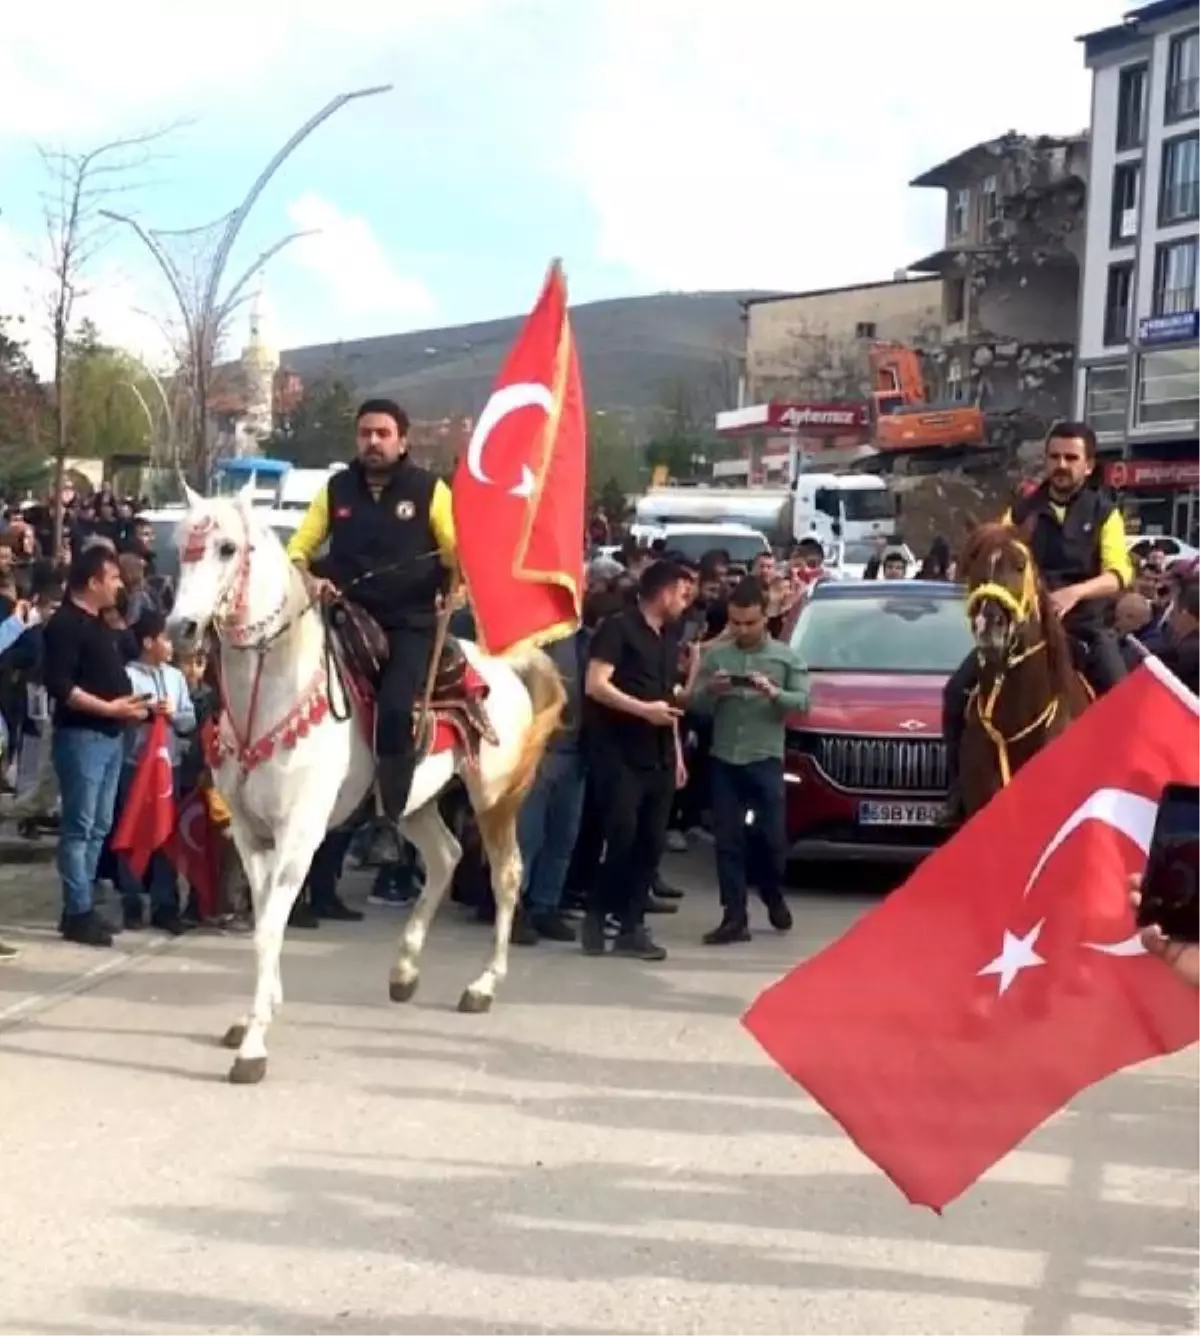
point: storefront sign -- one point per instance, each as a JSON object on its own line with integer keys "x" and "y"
{"x": 1123, "y": 473}
{"x": 1179, "y": 327}
{"x": 803, "y": 419}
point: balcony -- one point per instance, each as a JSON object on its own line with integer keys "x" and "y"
{"x": 1174, "y": 301}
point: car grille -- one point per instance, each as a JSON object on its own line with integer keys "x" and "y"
{"x": 907, "y": 765}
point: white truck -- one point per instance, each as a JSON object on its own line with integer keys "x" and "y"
{"x": 825, "y": 506}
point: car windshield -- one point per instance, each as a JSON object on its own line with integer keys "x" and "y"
{"x": 906, "y": 633}
{"x": 742, "y": 548}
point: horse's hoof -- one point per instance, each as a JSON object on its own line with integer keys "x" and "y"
{"x": 402, "y": 991}
{"x": 247, "y": 1071}
{"x": 232, "y": 1038}
{"x": 475, "y": 1004}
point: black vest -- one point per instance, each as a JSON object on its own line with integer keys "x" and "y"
{"x": 382, "y": 550}
{"x": 1067, "y": 553}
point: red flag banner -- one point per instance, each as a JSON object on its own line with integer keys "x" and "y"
{"x": 519, "y": 492}
{"x": 1006, "y": 975}
{"x": 148, "y": 817}
{"x": 196, "y": 852}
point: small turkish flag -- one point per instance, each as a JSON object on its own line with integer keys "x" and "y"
{"x": 519, "y": 492}
{"x": 195, "y": 851}
{"x": 148, "y": 817}
{"x": 1006, "y": 975}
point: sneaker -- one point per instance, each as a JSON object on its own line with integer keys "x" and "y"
{"x": 132, "y": 916}
{"x": 524, "y": 932}
{"x": 665, "y": 892}
{"x": 656, "y": 906}
{"x": 553, "y": 927}
{"x": 638, "y": 945}
{"x": 333, "y": 907}
{"x": 8, "y": 952}
{"x": 169, "y": 921}
{"x": 591, "y": 935}
{"x": 86, "y": 929}
{"x": 779, "y": 914}
{"x": 676, "y": 842}
{"x": 728, "y": 931}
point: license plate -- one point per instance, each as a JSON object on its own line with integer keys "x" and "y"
{"x": 900, "y": 814}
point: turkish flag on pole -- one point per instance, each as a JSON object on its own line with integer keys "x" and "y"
{"x": 519, "y": 493}
{"x": 1006, "y": 975}
{"x": 148, "y": 817}
{"x": 195, "y": 852}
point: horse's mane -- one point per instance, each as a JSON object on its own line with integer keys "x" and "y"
{"x": 988, "y": 539}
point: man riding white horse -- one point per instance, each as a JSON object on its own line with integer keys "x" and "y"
{"x": 389, "y": 526}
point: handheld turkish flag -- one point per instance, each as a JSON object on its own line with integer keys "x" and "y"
{"x": 519, "y": 493}
{"x": 1006, "y": 975}
{"x": 195, "y": 851}
{"x": 148, "y": 817}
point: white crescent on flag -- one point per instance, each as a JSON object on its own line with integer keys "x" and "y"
{"x": 507, "y": 399}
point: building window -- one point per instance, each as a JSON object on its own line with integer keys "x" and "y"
{"x": 1106, "y": 400}
{"x": 1131, "y": 107}
{"x": 1118, "y": 305}
{"x": 960, "y": 211}
{"x": 956, "y": 301}
{"x": 954, "y": 381}
{"x": 1175, "y": 277}
{"x": 864, "y": 329}
{"x": 1126, "y": 180}
{"x": 1167, "y": 386}
{"x": 1183, "y": 77}
{"x": 989, "y": 203}
{"x": 1179, "y": 199}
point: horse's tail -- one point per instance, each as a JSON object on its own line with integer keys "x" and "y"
{"x": 540, "y": 678}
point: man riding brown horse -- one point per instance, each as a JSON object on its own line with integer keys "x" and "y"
{"x": 1076, "y": 536}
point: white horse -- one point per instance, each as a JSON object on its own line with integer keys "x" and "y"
{"x": 290, "y": 770}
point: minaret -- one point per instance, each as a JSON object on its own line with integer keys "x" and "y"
{"x": 260, "y": 362}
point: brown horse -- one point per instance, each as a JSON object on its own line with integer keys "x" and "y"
{"x": 1028, "y": 689}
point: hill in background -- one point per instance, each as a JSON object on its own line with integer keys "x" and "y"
{"x": 633, "y": 351}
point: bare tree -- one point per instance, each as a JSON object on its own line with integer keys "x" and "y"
{"x": 79, "y": 184}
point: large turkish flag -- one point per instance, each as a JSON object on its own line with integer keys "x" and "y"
{"x": 519, "y": 493}
{"x": 1006, "y": 975}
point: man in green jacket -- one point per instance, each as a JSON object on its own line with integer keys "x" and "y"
{"x": 749, "y": 683}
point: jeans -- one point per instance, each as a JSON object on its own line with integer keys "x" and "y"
{"x": 403, "y": 686}
{"x": 737, "y": 790}
{"x": 88, "y": 766}
{"x": 547, "y": 827}
{"x": 636, "y": 807}
{"x": 160, "y": 883}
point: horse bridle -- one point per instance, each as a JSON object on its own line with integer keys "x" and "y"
{"x": 1022, "y": 609}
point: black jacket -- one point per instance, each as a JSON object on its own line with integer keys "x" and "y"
{"x": 1068, "y": 553}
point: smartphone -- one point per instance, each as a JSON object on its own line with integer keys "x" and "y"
{"x": 1169, "y": 887}
{"x": 739, "y": 680}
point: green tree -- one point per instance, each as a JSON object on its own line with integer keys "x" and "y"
{"x": 26, "y": 419}
{"x": 612, "y": 463}
{"x": 319, "y": 428}
{"x": 105, "y": 390}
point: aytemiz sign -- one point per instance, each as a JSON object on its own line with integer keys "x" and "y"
{"x": 1152, "y": 473}
{"x": 805, "y": 419}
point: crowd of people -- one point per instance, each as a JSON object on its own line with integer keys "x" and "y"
{"x": 679, "y": 683}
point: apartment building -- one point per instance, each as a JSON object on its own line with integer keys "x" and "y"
{"x": 1139, "y": 351}
{"x": 1009, "y": 267}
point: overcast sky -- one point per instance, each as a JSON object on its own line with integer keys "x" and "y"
{"x": 663, "y": 144}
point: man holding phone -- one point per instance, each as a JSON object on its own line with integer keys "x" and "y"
{"x": 749, "y": 684}
{"x": 86, "y": 680}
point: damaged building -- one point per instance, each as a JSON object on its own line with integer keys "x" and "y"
{"x": 1010, "y": 269}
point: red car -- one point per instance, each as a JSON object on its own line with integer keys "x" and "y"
{"x": 865, "y": 763}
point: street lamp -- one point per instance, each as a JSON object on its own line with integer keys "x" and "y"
{"x": 202, "y": 308}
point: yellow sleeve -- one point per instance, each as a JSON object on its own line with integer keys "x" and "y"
{"x": 306, "y": 542}
{"x": 441, "y": 521}
{"x": 1114, "y": 554}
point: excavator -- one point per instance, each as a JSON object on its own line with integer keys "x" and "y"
{"x": 903, "y": 419}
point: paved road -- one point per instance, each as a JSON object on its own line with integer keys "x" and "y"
{"x": 606, "y": 1152}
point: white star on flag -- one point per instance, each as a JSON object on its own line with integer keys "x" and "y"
{"x": 1016, "y": 954}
